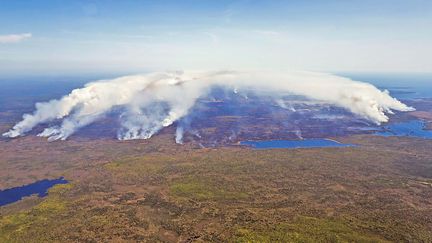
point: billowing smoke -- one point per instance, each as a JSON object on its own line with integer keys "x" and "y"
{"x": 179, "y": 135}
{"x": 156, "y": 100}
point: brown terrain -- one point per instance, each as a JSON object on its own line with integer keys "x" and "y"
{"x": 158, "y": 191}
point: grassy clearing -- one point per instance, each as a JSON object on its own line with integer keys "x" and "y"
{"x": 306, "y": 229}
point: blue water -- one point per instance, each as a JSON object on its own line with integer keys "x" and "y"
{"x": 306, "y": 143}
{"x": 40, "y": 188}
{"x": 414, "y": 128}
{"x": 401, "y": 86}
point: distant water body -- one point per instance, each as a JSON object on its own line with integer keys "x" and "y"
{"x": 402, "y": 86}
{"x": 414, "y": 128}
{"x": 306, "y": 143}
{"x": 40, "y": 188}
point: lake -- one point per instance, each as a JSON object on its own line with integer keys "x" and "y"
{"x": 40, "y": 188}
{"x": 402, "y": 86}
{"x": 414, "y": 128}
{"x": 305, "y": 143}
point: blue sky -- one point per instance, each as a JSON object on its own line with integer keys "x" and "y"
{"x": 39, "y": 37}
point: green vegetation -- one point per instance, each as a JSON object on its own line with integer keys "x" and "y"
{"x": 27, "y": 226}
{"x": 180, "y": 194}
{"x": 306, "y": 229}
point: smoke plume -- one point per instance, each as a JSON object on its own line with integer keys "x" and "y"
{"x": 156, "y": 100}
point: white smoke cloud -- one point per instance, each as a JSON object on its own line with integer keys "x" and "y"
{"x": 14, "y": 38}
{"x": 179, "y": 134}
{"x": 156, "y": 100}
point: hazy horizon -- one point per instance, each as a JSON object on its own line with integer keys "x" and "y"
{"x": 53, "y": 38}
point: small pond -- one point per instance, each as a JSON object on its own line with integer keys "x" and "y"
{"x": 40, "y": 188}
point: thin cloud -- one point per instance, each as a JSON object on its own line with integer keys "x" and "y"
{"x": 267, "y": 32}
{"x": 14, "y": 38}
{"x": 214, "y": 38}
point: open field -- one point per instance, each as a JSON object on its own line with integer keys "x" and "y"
{"x": 157, "y": 191}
